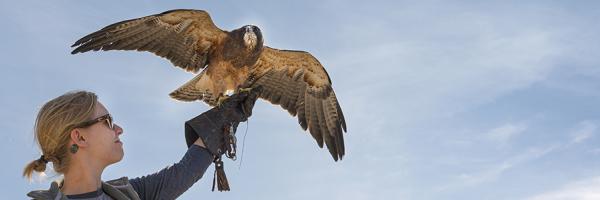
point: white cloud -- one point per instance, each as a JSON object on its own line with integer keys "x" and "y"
{"x": 588, "y": 189}
{"x": 494, "y": 171}
{"x": 446, "y": 66}
{"x": 584, "y": 131}
{"x": 505, "y": 132}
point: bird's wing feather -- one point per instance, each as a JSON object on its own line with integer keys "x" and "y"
{"x": 184, "y": 37}
{"x": 299, "y": 83}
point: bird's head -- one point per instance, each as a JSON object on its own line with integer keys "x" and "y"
{"x": 252, "y": 37}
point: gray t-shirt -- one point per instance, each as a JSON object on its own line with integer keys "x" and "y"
{"x": 168, "y": 183}
{"x": 95, "y": 195}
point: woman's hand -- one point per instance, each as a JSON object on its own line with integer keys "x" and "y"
{"x": 215, "y": 127}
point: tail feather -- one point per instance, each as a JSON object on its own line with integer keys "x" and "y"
{"x": 199, "y": 88}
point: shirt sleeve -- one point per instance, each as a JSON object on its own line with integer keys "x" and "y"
{"x": 172, "y": 181}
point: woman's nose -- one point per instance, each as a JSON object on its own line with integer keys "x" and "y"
{"x": 118, "y": 129}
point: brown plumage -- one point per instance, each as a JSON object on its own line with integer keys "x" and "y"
{"x": 236, "y": 59}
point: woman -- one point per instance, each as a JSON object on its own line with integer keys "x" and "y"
{"x": 77, "y": 134}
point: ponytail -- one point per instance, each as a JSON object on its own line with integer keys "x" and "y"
{"x": 38, "y": 165}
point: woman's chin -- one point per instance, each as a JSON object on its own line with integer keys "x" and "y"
{"x": 118, "y": 155}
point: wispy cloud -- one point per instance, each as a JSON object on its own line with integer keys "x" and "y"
{"x": 505, "y": 132}
{"x": 588, "y": 189}
{"x": 438, "y": 70}
{"x": 584, "y": 131}
{"x": 494, "y": 171}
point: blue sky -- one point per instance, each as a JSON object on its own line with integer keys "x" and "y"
{"x": 443, "y": 99}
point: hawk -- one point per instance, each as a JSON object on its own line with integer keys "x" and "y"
{"x": 232, "y": 61}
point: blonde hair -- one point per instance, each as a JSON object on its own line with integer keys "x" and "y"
{"x": 53, "y": 125}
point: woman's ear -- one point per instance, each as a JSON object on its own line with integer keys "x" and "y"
{"x": 77, "y": 137}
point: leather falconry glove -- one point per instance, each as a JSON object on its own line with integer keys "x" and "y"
{"x": 216, "y": 128}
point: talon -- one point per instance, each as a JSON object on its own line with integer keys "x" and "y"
{"x": 244, "y": 90}
{"x": 221, "y": 99}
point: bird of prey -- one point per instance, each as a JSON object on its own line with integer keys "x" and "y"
{"x": 232, "y": 61}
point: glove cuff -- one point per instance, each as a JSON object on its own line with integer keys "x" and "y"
{"x": 205, "y": 126}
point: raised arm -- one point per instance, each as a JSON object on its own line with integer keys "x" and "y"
{"x": 206, "y": 141}
{"x": 172, "y": 181}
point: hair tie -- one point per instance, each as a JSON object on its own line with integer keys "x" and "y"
{"x": 43, "y": 160}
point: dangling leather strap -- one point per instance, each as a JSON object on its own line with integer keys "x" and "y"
{"x": 220, "y": 178}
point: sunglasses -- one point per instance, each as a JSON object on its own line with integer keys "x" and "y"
{"x": 106, "y": 118}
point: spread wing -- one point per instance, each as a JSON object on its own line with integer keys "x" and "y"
{"x": 299, "y": 83}
{"x": 184, "y": 37}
